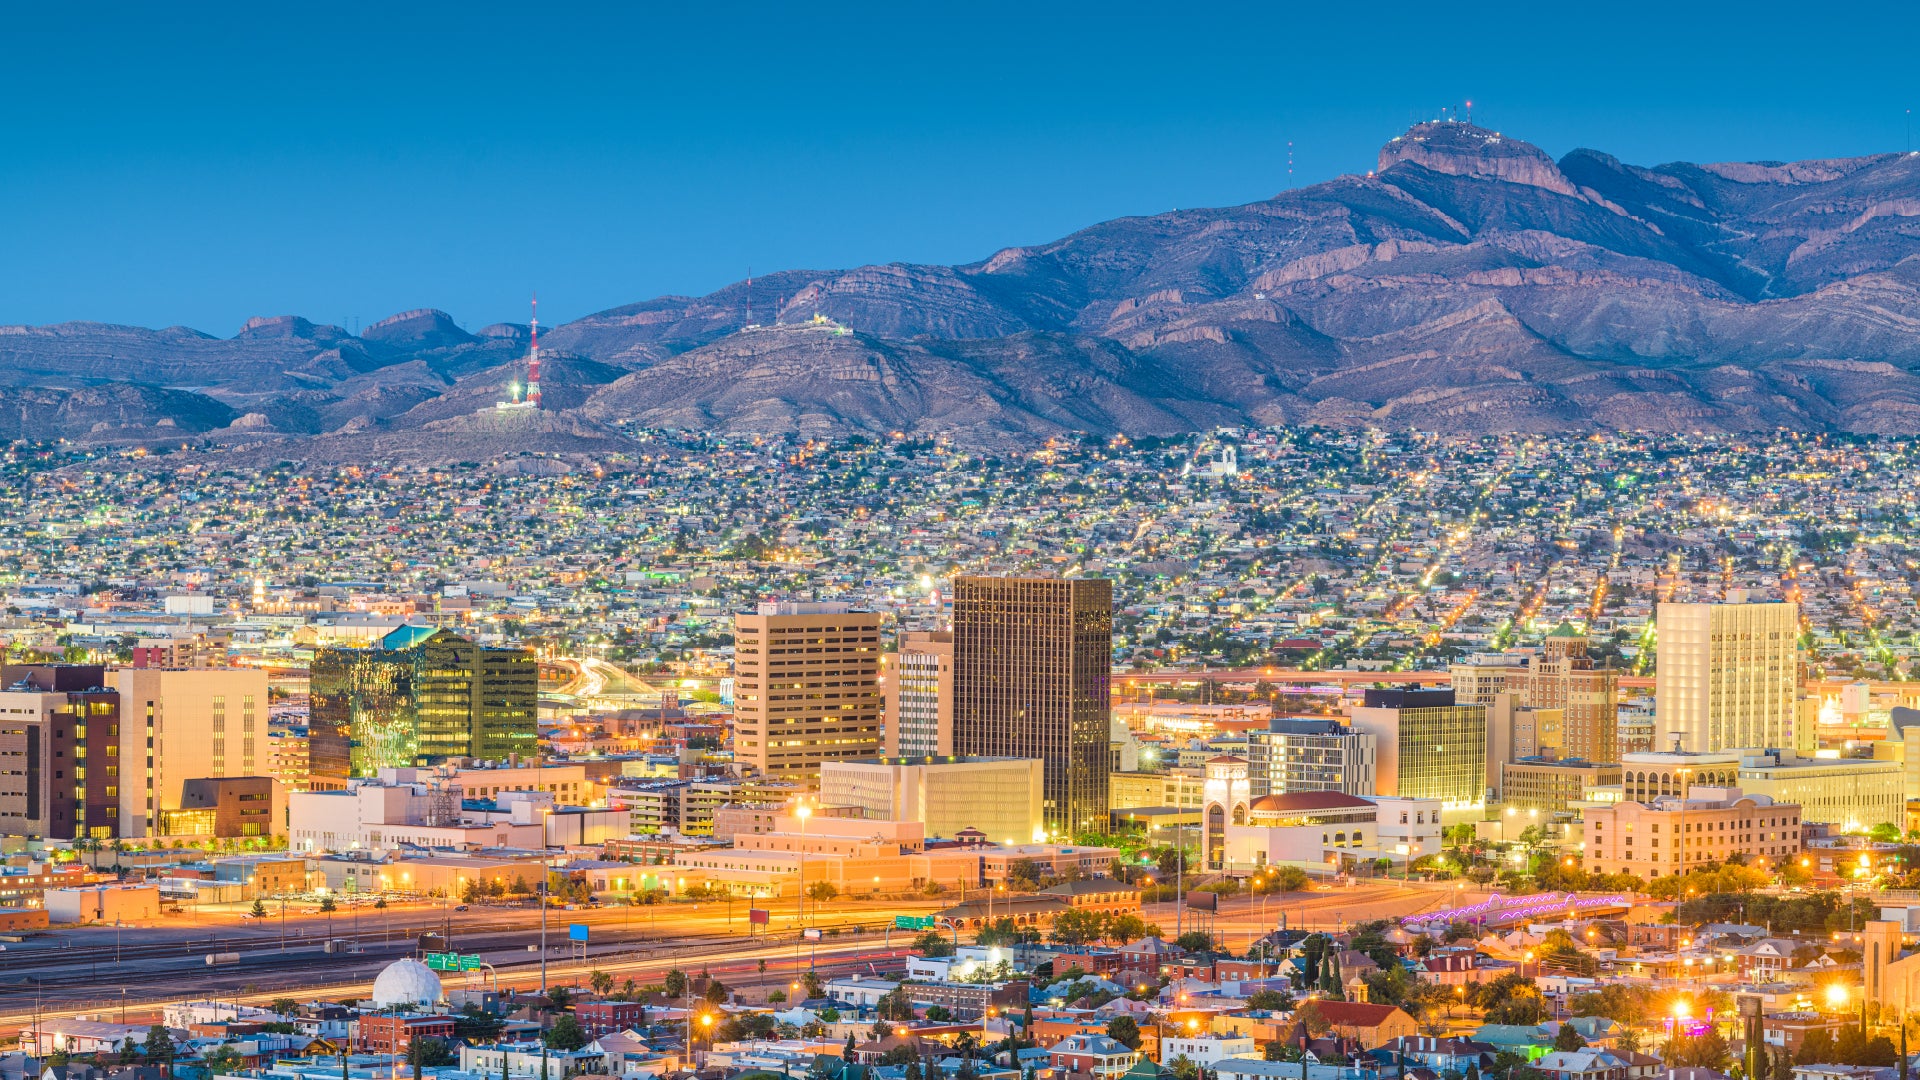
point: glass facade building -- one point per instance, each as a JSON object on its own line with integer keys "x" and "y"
{"x": 1032, "y": 670}
{"x": 419, "y": 698}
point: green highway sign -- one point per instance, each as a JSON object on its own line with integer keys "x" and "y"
{"x": 446, "y": 961}
{"x": 913, "y": 922}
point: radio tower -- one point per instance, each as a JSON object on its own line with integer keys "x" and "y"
{"x": 533, "y": 365}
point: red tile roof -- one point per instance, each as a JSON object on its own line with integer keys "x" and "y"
{"x": 1308, "y": 800}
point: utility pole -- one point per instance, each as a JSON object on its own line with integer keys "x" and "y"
{"x": 543, "y": 945}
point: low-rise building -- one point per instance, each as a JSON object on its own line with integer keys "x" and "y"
{"x": 1549, "y": 785}
{"x": 378, "y": 1033}
{"x": 103, "y": 904}
{"x": 1204, "y": 1050}
{"x": 1098, "y": 1056}
{"x": 997, "y": 796}
{"x": 1672, "y": 833}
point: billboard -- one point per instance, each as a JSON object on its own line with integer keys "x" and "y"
{"x": 577, "y": 931}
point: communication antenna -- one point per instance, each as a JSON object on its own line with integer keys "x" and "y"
{"x": 1289, "y": 164}
{"x": 749, "y": 296}
{"x": 1469, "y": 111}
{"x": 533, "y": 364}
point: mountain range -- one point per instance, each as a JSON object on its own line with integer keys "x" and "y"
{"x": 1470, "y": 283}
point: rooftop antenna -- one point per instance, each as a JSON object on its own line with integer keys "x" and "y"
{"x": 533, "y": 364}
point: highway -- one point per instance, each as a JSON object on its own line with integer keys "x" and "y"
{"x": 87, "y": 969}
{"x": 103, "y": 971}
{"x": 251, "y": 980}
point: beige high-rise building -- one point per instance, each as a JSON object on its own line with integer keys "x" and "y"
{"x": 917, "y": 682}
{"x": 1032, "y": 677}
{"x": 1561, "y": 678}
{"x": 1728, "y": 675}
{"x": 180, "y": 724}
{"x": 806, "y": 688}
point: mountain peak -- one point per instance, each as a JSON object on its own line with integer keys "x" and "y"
{"x": 421, "y": 327}
{"x": 1447, "y": 146}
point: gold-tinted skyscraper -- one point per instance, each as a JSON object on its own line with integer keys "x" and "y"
{"x": 1728, "y": 677}
{"x": 806, "y": 687}
{"x": 1032, "y": 663}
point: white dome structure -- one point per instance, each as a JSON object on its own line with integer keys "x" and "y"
{"x": 406, "y": 982}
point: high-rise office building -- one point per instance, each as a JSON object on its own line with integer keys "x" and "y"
{"x": 59, "y": 752}
{"x": 186, "y": 724}
{"x": 1308, "y": 754}
{"x": 1429, "y": 747}
{"x": 1032, "y": 667}
{"x": 1561, "y": 677}
{"x": 917, "y": 681}
{"x": 1728, "y": 675}
{"x": 806, "y": 684}
{"x": 419, "y": 697}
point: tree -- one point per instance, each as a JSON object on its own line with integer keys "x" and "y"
{"x": 1708, "y": 1051}
{"x": 559, "y": 997}
{"x": 1816, "y": 1048}
{"x": 939, "y": 1014}
{"x": 284, "y": 1006}
{"x": 1077, "y": 926}
{"x": 1124, "y": 1030}
{"x": 1311, "y": 1019}
{"x": 896, "y": 1005}
{"x": 327, "y": 905}
{"x": 565, "y": 1034}
{"x": 675, "y": 983}
{"x": 601, "y": 982}
{"x": 933, "y": 943}
{"x": 430, "y": 1053}
{"x": 259, "y": 910}
{"x": 776, "y": 996}
{"x": 1269, "y": 1001}
{"x": 1122, "y": 929}
{"x": 813, "y": 984}
{"x": 1568, "y": 1039}
{"x": 1183, "y": 1068}
{"x": 159, "y": 1043}
{"x": 822, "y": 891}
{"x": 716, "y": 993}
{"x": 1195, "y": 941}
{"x": 224, "y": 1060}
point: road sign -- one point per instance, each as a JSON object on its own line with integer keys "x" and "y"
{"x": 454, "y": 962}
{"x": 759, "y": 916}
{"x": 577, "y": 931}
{"x": 913, "y": 922}
{"x": 811, "y": 933}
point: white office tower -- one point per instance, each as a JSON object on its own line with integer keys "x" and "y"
{"x": 1728, "y": 676}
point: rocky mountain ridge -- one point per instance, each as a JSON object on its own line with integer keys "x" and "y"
{"x": 1469, "y": 283}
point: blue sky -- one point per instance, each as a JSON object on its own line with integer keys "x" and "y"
{"x": 198, "y": 164}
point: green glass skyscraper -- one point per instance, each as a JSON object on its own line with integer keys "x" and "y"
{"x": 419, "y": 697}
